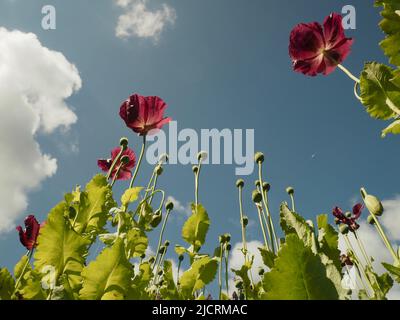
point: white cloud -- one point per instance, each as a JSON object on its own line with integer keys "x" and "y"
{"x": 35, "y": 81}
{"x": 373, "y": 243}
{"x": 140, "y": 21}
{"x": 236, "y": 261}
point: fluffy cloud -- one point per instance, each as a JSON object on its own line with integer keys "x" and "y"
{"x": 35, "y": 81}
{"x": 373, "y": 243}
{"x": 139, "y": 21}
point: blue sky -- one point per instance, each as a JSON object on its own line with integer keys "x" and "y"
{"x": 221, "y": 64}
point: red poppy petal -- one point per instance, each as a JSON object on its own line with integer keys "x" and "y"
{"x": 310, "y": 67}
{"x": 104, "y": 165}
{"x": 333, "y": 30}
{"x": 357, "y": 210}
{"x": 306, "y": 41}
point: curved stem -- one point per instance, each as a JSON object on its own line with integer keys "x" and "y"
{"x": 139, "y": 162}
{"x": 115, "y": 163}
{"x": 196, "y": 182}
{"x": 116, "y": 174}
{"x": 356, "y": 85}
{"x": 293, "y": 204}
{"x": 29, "y": 254}
{"x": 348, "y": 73}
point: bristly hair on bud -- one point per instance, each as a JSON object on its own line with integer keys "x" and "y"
{"x": 259, "y": 157}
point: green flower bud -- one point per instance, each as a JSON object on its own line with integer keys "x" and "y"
{"x": 256, "y": 196}
{"x": 166, "y": 243}
{"x": 228, "y": 247}
{"x": 142, "y": 256}
{"x": 371, "y": 220}
{"x": 156, "y": 219}
{"x": 240, "y": 183}
{"x": 259, "y": 157}
{"x": 125, "y": 159}
{"x": 261, "y": 271}
{"x": 266, "y": 186}
{"x": 290, "y": 191}
{"x": 159, "y": 170}
{"x": 202, "y": 155}
{"x": 123, "y": 142}
{"x": 169, "y": 206}
{"x": 348, "y": 215}
{"x": 181, "y": 257}
{"x": 257, "y": 183}
{"x": 162, "y": 250}
{"x": 344, "y": 229}
{"x": 195, "y": 169}
{"x": 222, "y": 239}
{"x": 245, "y": 221}
{"x": 227, "y": 237}
{"x": 373, "y": 204}
{"x": 151, "y": 260}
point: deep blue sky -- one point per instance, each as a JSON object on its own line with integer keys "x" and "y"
{"x": 224, "y": 64}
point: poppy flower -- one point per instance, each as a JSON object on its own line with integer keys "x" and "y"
{"x": 125, "y": 172}
{"x": 318, "y": 49}
{"x": 28, "y": 237}
{"x": 351, "y": 221}
{"x": 143, "y": 114}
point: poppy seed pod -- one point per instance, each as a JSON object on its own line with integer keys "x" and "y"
{"x": 344, "y": 229}
{"x": 256, "y": 196}
{"x": 169, "y": 206}
{"x": 125, "y": 160}
{"x": 373, "y": 204}
{"x": 156, "y": 219}
{"x": 159, "y": 170}
{"x": 259, "y": 157}
{"x": 240, "y": 183}
{"x": 245, "y": 221}
{"x": 371, "y": 220}
{"x": 266, "y": 186}
{"x": 124, "y": 142}
{"x": 195, "y": 169}
{"x": 181, "y": 257}
{"x": 290, "y": 191}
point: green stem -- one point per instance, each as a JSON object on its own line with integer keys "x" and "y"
{"x": 244, "y": 244}
{"x": 116, "y": 174}
{"x": 293, "y": 204}
{"x": 227, "y": 271}
{"x": 348, "y": 73}
{"x": 139, "y": 162}
{"x": 30, "y": 253}
{"x": 161, "y": 236}
{"x": 220, "y": 271}
{"x": 196, "y": 182}
{"x": 178, "y": 271}
{"x": 262, "y": 227}
{"x": 115, "y": 162}
{"x": 362, "y": 248}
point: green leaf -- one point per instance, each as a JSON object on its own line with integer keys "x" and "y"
{"x": 393, "y": 128}
{"x": 379, "y": 94}
{"x": 136, "y": 243}
{"x": 30, "y": 286}
{"x": 108, "y": 277}
{"x": 137, "y": 289}
{"x": 169, "y": 290}
{"x": 6, "y": 284}
{"x": 268, "y": 257}
{"x": 292, "y": 222}
{"x": 381, "y": 284}
{"x": 394, "y": 271}
{"x": 298, "y": 275}
{"x": 201, "y": 272}
{"x": 180, "y": 251}
{"x": 195, "y": 229}
{"x": 328, "y": 239}
{"x": 243, "y": 273}
{"x": 60, "y": 247}
{"x": 130, "y": 196}
{"x": 93, "y": 206}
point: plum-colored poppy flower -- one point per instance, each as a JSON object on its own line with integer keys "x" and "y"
{"x": 143, "y": 114}
{"x": 351, "y": 221}
{"x": 315, "y": 49}
{"x": 125, "y": 172}
{"x": 28, "y": 237}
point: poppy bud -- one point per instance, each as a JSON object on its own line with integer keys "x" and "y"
{"x": 142, "y": 256}
{"x": 195, "y": 169}
{"x": 245, "y": 221}
{"x": 159, "y": 170}
{"x": 266, "y": 186}
{"x": 156, "y": 219}
{"x": 202, "y": 155}
{"x": 371, "y": 220}
{"x": 257, "y": 196}
{"x": 162, "y": 250}
{"x": 259, "y": 157}
{"x": 151, "y": 260}
{"x": 348, "y": 215}
{"x": 227, "y": 237}
{"x": 228, "y": 247}
{"x": 290, "y": 191}
{"x": 160, "y": 273}
{"x": 344, "y": 229}
{"x": 125, "y": 159}
{"x": 261, "y": 271}
{"x": 257, "y": 183}
{"x": 222, "y": 239}
{"x": 169, "y": 205}
{"x": 181, "y": 257}
{"x": 166, "y": 243}
{"x": 372, "y": 203}
{"x": 240, "y": 183}
{"x": 163, "y": 158}
{"x": 123, "y": 142}
{"x": 161, "y": 282}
